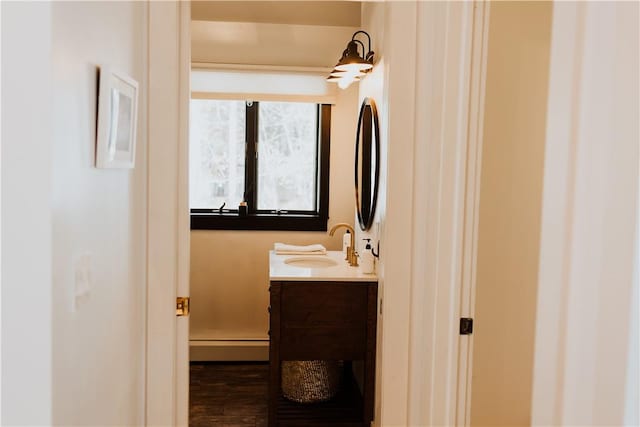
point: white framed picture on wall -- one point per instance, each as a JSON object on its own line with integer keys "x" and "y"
{"x": 117, "y": 120}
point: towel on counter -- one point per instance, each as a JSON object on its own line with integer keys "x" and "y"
{"x": 282, "y": 249}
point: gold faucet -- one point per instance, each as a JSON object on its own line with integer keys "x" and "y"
{"x": 352, "y": 256}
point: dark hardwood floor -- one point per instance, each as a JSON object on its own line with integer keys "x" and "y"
{"x": 228, "y": 394}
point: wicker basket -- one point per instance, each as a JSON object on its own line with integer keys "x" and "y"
{"x": 311, "y": 381}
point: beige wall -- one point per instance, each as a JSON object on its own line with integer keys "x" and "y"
{"x": 98, "y": 346}
{"x": 510, "y": 208}
{"x": 272, "y": 33}
{"x": 230, "y": 270}
{"x": 586, "y": 284}
{"x": 334, "y": 13}
{"x": 250, "y": 43}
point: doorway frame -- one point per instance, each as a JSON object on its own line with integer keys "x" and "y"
{"x": 440, "y": 374}
{"x": 478, "y": 74}
{"x": 168, "y": 231}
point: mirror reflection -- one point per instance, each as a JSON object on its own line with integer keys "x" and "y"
{"x": 367, "y": 163}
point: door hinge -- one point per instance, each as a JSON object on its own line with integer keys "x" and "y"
{"x": 182, "y": 306}
{"x": 466, "y": 326}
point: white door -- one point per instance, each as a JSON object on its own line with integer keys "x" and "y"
{"x": 168, "y": 210}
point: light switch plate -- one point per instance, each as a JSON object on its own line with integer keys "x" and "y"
{"x": 82, "y": 278}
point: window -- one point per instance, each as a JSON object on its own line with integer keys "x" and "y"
{"x": 273, "y": 155}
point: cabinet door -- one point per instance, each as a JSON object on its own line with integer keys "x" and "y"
{"x": 323, "y": 321}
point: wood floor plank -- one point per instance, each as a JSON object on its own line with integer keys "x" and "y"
{"x": 228, "y": 394}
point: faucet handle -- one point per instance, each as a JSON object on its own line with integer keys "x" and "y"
{"x": 352, "y": 256}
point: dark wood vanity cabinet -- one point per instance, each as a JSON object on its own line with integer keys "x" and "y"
{"x": 324, "y": 321}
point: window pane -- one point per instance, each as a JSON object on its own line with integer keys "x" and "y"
{"x": 216, "y": 153}
{"x": 287, "y": 156}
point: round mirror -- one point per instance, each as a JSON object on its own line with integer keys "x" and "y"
{"x": 367, "y": 162}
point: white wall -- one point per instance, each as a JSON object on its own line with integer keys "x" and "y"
{"x": 510, "y": 209}
{"x": 373, "y": 86}
{"x": 26, "y": 216}
{"x": 589, "y": 216}
{"x": 98, "y": 346}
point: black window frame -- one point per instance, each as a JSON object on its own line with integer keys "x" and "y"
{"x": 229, "y": 219}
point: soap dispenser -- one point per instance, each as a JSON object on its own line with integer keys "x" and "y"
{"x": 367, "y": 259}
{"x": 346, "y": 242}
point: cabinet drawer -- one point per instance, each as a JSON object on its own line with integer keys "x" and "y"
{"x": 323, "y": 321}
{"x": 328, "y": 304}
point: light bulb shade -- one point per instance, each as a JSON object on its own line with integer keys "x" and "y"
{"x": 351, "y": 60}
{"x": 357, "y": 68}
{"x": 342, "y": 78}
{"x": 352, "y": 65}
{"x": 339, "y": 73}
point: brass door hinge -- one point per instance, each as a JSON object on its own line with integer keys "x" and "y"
{"x": 182, "y": 306}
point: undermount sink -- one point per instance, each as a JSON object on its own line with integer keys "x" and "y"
{"x": 328, "y": 267}
{"x": 311, "y": 262}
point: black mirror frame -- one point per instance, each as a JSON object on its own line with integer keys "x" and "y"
{"x": 365, "y": 223}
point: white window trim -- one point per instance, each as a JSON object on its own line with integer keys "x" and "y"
{"x": 262, "y": 85}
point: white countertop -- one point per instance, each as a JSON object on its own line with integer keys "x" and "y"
{"x": 343, "y": 272}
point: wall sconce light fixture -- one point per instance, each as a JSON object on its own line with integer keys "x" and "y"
{"x": 352, "y": 65}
